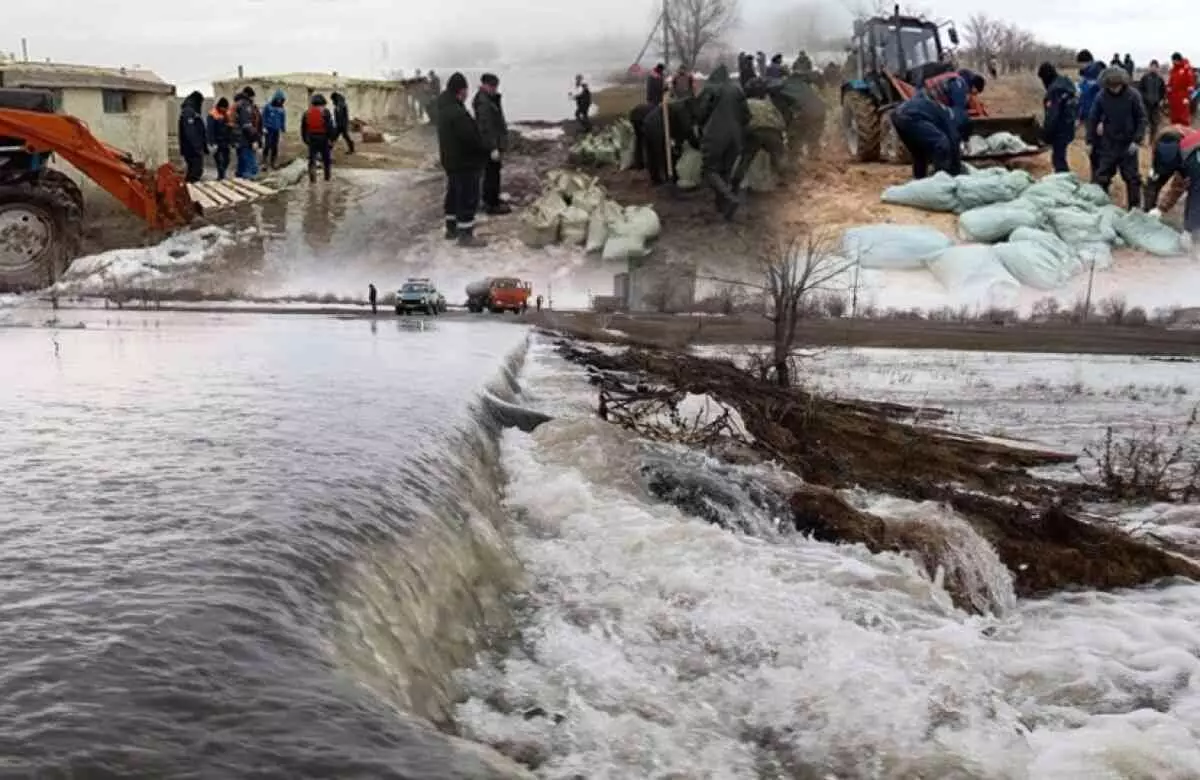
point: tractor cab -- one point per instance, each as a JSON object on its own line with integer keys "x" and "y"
{"x": 904, "y": 46}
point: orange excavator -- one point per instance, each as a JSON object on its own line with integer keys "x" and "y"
{"x": 41, "y": 210}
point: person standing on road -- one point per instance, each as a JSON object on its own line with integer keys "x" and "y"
{"x": 220, "y": 135}
{"x": 493, "y": 129}
{"x": 1115, "y": 128}
{"x": 193, "y": 141}
{"x": 1060, "y": 104}
{"x": 316, "y": 129}
{"x": 463, "y": 155}
{"x": 582, "y": 95}
{"x": 274, "y": 119}
{"x": 341, "y": 122}
{"x": 724, "y": 117}
{"x": 1153, "y": 90}
{"x": 248, "y": 124}
{"x": 539, "y": 303}
{"x": 373, "y": 297}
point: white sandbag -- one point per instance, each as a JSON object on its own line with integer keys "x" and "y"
{"x": 643, "y": 221}
{"x": 975, "y": 271}
{"x": 759, "y": 176}
{"x": 573, "y": 228}
{"x": 1144, "y": 232}
{"x": 628, "y": 235}
{"x": 1039, "y": 259}
{"x": 893, "y": 247}
{"x": 623, "y": 246}
{"x": 689, "y": 168}
{"x": 540, "y": 222}
{"x": 606, "y": 214}
{"x": 1078, "y": 225}
{"x": 996, "y": 143}
{"x": 982, "y": 189}
{"x": 988, "y": 224}
{"x": 935, "y": 193}
{"x": 589, "y": 199}
{"x": 568, "y": 183}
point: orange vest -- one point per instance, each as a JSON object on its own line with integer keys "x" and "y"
{"x": 1189, "y": 143}
{"x": 315, "y": 120}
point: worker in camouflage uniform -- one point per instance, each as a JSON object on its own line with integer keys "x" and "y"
{"x": 765, "y": 133}
{"x": 724, "y": 117}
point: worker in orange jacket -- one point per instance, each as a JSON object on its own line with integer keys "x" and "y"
{"x": 1180, "y": 83}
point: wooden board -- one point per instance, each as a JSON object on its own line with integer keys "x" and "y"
{"x": 213, "y": 195}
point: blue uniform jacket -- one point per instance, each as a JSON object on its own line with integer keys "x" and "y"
{"x": 1089, "y": 87}
{"x": 275, "y": 117}
{"x": 1060, "y": 104}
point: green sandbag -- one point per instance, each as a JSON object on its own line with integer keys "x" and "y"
{"x": 984, "y": 189}
{"x": 936, "y": 193}
{"x": 1144, "y": 232}
{"x": 988, "y": 224}
{"x": 1039, "y": 259}
{"x": 1079, "y": 225}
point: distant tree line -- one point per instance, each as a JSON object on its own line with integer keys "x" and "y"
{"x": 1009, "y": 47}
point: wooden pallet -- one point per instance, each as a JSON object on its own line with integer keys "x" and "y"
{"x": 216, "y": 195}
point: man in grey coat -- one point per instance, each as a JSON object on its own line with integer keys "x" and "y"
{"x": 493, "y": 128}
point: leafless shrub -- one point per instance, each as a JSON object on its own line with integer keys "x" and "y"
{"x": 1159, "y": 464}
{"x": 1008, "y": 47}
{"x": 835, "y": 305}
{"x": 1136, "y": 317}
{"x": 699, "y": 25}
{"x": 1113, "y": 310}
{"x": 999, "y": 316}
{"x": 1046, "y": 309}
{"x": 1082, "y": 311}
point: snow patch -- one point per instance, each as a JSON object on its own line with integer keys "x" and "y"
{"x": 144, "y": 266}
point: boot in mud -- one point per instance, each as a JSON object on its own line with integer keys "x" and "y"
{"x": 451, "y": 229}
{"x": 499, "y": 209}
{"x": 468, "y": 240}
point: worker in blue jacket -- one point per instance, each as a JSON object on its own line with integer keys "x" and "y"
{"x": 1089, "y": 82}
{"x": 930, "y": 132}
{"x": 953, "y": 91}
{"x": 274, "y": 119}
{"x": 1060, "y": 104}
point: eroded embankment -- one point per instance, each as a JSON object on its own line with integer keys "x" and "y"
{"x": 834, "y": 445}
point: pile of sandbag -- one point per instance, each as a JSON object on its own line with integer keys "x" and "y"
{"x": 575, "y": 210}
{"x": 611, "y": 146}
{"x": 996, "y": 144}
{"x": 956, "y": 194}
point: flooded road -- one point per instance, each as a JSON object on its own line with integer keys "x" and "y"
{"x": 245, "y": 545}
{"x": 327, "y": 241}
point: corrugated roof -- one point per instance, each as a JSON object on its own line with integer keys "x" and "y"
{"x": 58, "y": 75}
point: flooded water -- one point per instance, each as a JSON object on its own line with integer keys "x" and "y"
{"x": 246, "y": 546}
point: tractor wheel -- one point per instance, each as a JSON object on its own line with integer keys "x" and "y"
{"x": 40, "y": 231}
{"x": 891, "y": 148}
{"x": 861, "y": 127}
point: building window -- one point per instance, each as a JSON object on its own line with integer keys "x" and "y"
{"x": 115, "y": 101}
{"x": 56, "y": 100}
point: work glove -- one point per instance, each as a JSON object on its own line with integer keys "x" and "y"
{"x": 1133, "y": 149}
{"x": 1154, "y": 213}
{"x": 495, "y": 155}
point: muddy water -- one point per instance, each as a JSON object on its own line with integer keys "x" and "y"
{"x": 236, "y": 546}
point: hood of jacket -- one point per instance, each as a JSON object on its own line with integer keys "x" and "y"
{"x": 194, "y": 101}
{"x": 1114, "y": 79}
{"x": 1047, "y": 73}
{"x": 317, "y": 100}
{"x": 278, "y": 98}
{"x": 720, "y": 75}
{"x": 337, "y": 98}
{"x": 1092, "y": 71}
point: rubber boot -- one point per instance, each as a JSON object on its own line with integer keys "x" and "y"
{"x": 1135, "y": 196}
{"x": 499, "y": 209}
{"x": 468, "y": 239}
{"x": 451, "y": 229}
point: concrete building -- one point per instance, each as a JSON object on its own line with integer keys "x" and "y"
{"x": 658, "y": 286}
{"x": 375, "y": 102}
{"x": 124, "y": 107}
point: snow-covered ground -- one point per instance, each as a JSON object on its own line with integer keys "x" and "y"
{"x": 659, "y": 645}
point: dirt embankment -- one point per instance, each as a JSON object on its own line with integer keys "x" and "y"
{"x": 1032, "y": 523}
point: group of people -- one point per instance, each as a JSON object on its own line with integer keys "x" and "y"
{"x": 242, "y": 131}
{"x": 1116, "y": 117}
{"x": 471, "y": 145}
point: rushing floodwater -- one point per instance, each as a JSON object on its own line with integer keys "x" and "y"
{"x": 219, "y": 538}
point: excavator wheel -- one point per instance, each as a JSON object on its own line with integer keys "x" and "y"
{"x": 861, "y": 127}
{"x": 891, "y": 148}
{"x": 41, "y": 224}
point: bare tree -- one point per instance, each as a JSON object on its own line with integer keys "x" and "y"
{"x": 697, "y": 25}
{"x": 1011, "y": 48}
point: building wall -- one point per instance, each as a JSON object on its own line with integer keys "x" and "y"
{"x": 141, "y": 131}
{"x": 380, "y": 103}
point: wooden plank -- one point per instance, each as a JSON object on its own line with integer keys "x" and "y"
{"x": 237, "y": 190}
{"x": 260, "y": 189}
{"x": 228, "y": 193}
{"x": 216, "y": 195}
{"x": 206, "y": 203}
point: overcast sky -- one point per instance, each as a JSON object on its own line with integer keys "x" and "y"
{"x": 191, "y": 44}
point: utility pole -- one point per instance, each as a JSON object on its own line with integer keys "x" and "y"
{"x": 241, "y": 74}
{"x": 666, "y": 28}
{"x": 24, "y": 50}
{"x": 666, "y": 95}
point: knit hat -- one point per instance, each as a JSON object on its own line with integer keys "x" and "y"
{"x": 1047, "y": 73}
{"x": 456, "y": 83}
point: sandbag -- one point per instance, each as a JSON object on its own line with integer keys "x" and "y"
{"x": 623, "y": 246}
{"x": 1142, "y": 231}
{"x": 985, "y": 188}
{"x": 589, "y": 199}
{"x": 988, "y": 224}
{"x": 1039, "y": 259}
{"x": 892, "y": 247}
{"x": 975, "y": 271}
{"x": 1093, "y": 193}
{"x": 540, "y": 222}
{"x": 996, "y": 143}
{"x": 935, "y": 193}
{"x": 628, "y": 235}
{"x": 689, "y": 168}
{"x": 1054, "y": 190}
{"x": 569, "y": 183}
{"x": 1078, "y": 225}
{"x": 760, "y": 177}
{"x": 643, "y": 221}
{"x": 606, "y": 214}
{"x": 573, "y": 222}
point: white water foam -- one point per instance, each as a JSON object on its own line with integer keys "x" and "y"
{"x": 658, "y": 645}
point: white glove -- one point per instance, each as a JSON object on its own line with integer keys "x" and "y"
{"x": 1133, "y": 149}
{"x": 495, "y": 155}
{"x": 1154, "y": 213}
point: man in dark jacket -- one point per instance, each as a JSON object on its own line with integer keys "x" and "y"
{"x": 1127, "y": 64}
{"x": 745, "y": 68}
{"x": 953, "y": 90}
{"x": 656, "y": 86}
{"x": 1153, "y": 90}
{"x": 463, "y": 155}
{"x": 1176, "y": 164}
{"x": 637, "y": 118}
{"x": 220, "y": 135}
{"x": 582, "y": 95}
{"x": 341, "y": 122}
{"x": 274, "y": 119}
{"x": 193, "y": 143}
{"x": 317, "y": 132}
{"x": 247, "y": 125}
{"x": 1060, "y": 105}
{"x": 1115, "y": 127}
{"x": 930, "y": 133}
{"x": 682, "y": 130}
{"x": 724, "y": 117}
{"x": 493, "y": 129}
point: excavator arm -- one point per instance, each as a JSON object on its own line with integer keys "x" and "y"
{"x": 159, "y": 197}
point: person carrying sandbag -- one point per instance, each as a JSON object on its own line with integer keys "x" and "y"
{"x": 930, "y": 134}
{"x": 1115, "y": 129}
{"x": 1176, "y": 164}
{"x": 724, "y": 117}
{"x": 765, "y": 133}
